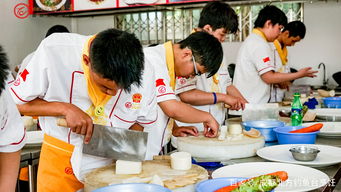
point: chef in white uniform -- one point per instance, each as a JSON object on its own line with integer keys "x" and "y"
{"x": 87, "y": 80}
{"x": 292, "y": 33}
{"x": 198, "y": 53}
{"x": 210, "y": 94}
{"x": 12, "y": 132}
{"x": 255, "y": 70}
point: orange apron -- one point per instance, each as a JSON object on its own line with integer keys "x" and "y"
{"x": 55, "y": 172}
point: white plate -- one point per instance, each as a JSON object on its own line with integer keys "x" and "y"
{"x": 328, "y": 155}
{"x": 301, "y": 178}
{"x": 328, "y": 114}
{"x": 329, "y": 129}
{"x": 34, "y": 137}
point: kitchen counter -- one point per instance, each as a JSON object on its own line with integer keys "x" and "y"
{"x": 329, "y": 170}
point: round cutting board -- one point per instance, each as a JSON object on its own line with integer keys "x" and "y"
{"x": 172, "y": 179}
{"x": 212, "y": 148}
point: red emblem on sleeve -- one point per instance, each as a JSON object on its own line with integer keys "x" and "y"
{"x": 16, "y": 82}
{"x": 24, "y": 74}
{"x": 128, "y": 105}
{"x": 162, "y": 89}
{"x": 182, "y": 81}
{"x": 160, "y": 82}
{"x": 266, "y": 59}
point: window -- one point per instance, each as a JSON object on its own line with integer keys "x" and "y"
{"x": 155, "y": 27}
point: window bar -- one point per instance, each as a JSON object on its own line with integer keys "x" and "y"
{"x": 164, "y": 26}
{"x": 148, "y": 28}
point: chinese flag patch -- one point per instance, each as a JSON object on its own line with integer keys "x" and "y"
{"x": 266, "y": 59}
{"x": 24, "y": 74}
{"x": 160, "y": 82}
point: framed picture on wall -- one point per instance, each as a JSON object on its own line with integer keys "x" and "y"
{"x": 185, "y": 1}
{"x": 132, "y": 3}
{"x": 51, "y": 5}
{"x": 81, "y": 5}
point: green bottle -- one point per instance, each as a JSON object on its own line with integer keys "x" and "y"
{"x": 296, "y": 111}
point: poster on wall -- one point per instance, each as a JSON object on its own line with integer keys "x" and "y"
{"x": 46, "y": 6}
{"x": 82, "y": 5}
{"x": 51, "y": 5}
{"x": 126, "y": 3}
{"x": 185, "y": 1}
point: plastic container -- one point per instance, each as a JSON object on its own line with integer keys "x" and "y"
{"x": 332, "y": 102}
{"x": 214, "y": 184}
{"x": 265, "y": 127}
{"x": 133, "y": 187}
{"x": 284, "y": 137}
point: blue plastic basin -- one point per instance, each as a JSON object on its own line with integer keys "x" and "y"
{"x": 284, "y": 137}
{"x": 332, "y": 102}
{"x": 265, "y": 127}
{"x": 133, "y": 187}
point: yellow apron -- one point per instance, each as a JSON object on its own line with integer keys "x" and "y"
{"x": 283, "y": 54}
{"x": 171, "y": 72}
{"x": 55, "y": 171}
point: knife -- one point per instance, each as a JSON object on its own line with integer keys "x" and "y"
{"x": 115, "y": 143}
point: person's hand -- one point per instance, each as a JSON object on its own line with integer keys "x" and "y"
{"x": 79, "y": 122}
{"x": 235, "y": 103}
{"x": 184, "y": 131}
{"x": 211, "y": 127}
{"x": 307, "y": 72}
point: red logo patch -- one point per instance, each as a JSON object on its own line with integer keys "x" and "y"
{"x": 24, "y": 74}
{"x": 16, "y": 82}
{"x": 21, "y": 10}
{"x": 128, "y": 105}
{"x": 68, "y": 170}
{"x": 162, "y": 89}
{"x": 266, "y": 59}
{"x": 160, "y": 82}
{"x": 182, "y": 81}
{"x": 137, "y": 98}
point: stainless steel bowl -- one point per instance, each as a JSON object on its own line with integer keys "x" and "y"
{"x": 304, "y": 153}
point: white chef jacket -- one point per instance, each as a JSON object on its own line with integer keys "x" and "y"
{"x": 207, "y": 84}
{"x": 255, "y": 57}
{"x": 55, "y": 74}
{"x": 12, "y": 131}
{"x": 277, "y": 94}
{"x": 156, "y": 58}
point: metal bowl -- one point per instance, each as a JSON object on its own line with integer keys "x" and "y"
{"x": 304, "y": 153}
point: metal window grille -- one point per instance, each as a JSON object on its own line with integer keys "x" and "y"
{"x": 155, "y": 27}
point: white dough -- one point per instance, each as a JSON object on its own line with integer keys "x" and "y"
{"x": 235, "y": 129}
{"x": 181, "y": 161}
{"x": 128, "y": 167}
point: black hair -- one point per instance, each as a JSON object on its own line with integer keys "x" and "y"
{"x": 57, "y": 29}
{"x": 219, "y": 15}
{"x": 206, "y": 50}
{"x": 118, "y": 56}
{"x": 3, "y": 69}
{"x": 295, "y": 28}
{"x": 272, "y": 13}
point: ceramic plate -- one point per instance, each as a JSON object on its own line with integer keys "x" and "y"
{"x": 327, "y": 114}
{"x": 329, "y": 129}
{"x": 34, "y": 137}
{"x": 301, "y": 178}
{"x": 328, "y": 155}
